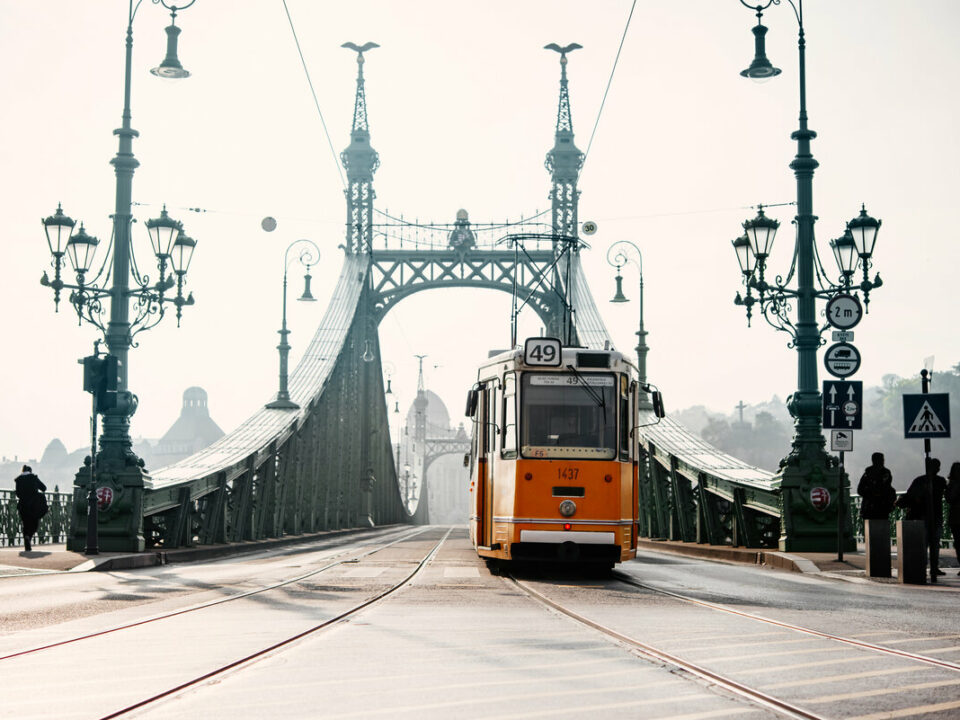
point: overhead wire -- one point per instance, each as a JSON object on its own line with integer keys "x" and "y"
{"x": 316, "y": 102}
{"x": 616, "y": 60}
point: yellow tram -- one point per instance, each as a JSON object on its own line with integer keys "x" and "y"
{"x": 553, "y": 464}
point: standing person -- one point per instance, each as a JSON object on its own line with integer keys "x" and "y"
{"x": 31, "y": 503}
{"x": 876, "y": 490}
{"x": 953, "y": 500}
{"x": 924, "y": 501}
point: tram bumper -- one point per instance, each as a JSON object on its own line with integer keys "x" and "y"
{"x": 566, "y": 546}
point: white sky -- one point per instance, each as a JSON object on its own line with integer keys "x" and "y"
{"x": 462, "y": 103}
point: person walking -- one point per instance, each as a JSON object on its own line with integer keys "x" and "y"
{"x": 953, "y": 501}
{"x": 876, "y": 490}
{"x": 924, "y": 501}
{"x": 31, "y": 503}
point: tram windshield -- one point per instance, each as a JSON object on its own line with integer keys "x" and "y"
{"x": 568, "y": 416}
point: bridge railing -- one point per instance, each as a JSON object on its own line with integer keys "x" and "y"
{"x": 54, "y": 526}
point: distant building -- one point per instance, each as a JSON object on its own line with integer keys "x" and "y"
{"x": 193, "y": 431}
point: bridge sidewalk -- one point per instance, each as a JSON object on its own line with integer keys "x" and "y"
{"x": 853, "y": 566}
{"x": 56, "y": 558}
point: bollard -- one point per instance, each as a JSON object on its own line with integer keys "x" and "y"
{"x": 911, "y": 552}
{"x": 877, "y": 537}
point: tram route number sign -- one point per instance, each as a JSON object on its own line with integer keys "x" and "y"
{"x": 844, "y": 311}
{"x": 841, "y": 360}
{"x": 926, "y": 415}
{"x": 542, "y": 351}
{"x": 842, "y": 405}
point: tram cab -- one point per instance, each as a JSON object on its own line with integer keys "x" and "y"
{"x": 553, "y": 462}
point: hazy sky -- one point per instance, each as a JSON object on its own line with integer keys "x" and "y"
{"x": 462, "y": 104}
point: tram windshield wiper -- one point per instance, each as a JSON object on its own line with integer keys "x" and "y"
{"x": 597, "y": 397}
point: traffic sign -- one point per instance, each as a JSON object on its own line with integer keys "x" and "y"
{"x": 841, "y": 440}
{"x": 842, "y": 405}
{"x": 841, "y": 360}
{"x": 842, "y": 336}
{"x": 844, "y": 311}
{"x": 926, "y": 415}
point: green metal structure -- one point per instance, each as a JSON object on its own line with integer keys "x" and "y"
{"x": 327, "y": 463}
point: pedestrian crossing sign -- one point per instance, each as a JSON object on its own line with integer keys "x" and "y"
{"x": 926, "y": 415}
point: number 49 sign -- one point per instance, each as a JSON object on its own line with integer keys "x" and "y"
{"x": 542, "y": 351}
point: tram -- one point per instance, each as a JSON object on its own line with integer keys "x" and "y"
{"x": 554, "y": 461}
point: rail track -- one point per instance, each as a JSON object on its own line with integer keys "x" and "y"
{"x": 700, "y": 670}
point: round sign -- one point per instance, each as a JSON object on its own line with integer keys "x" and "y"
{"x": 841, "y": 360}
{"x": 104, "y": 497}
{"x": 850, "y": 408}
{"x": 844, "y": 311}
{"x": 268, "y": 224}
{"x": 819, "y": 497}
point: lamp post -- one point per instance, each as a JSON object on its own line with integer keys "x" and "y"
{"x": 120, "y": 472}
{"x": 807, "y": 465}
{"x": 309, "y": 255}
{"x": 619, "y": 254}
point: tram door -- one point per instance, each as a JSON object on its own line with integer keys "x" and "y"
{"x": 485, "y": 414}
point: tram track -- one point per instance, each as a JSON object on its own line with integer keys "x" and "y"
{"x": 717, "y": 678}
{"x": 728, "y": 684}
{"x": 853, "y": 642}
{"x": 290, "y": 640}
{"x": 332, "y": 561}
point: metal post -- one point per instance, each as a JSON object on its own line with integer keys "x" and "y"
{"x": 840, "y": 510}
{"x": 925, "y": 388}
{"x": 92, "y": 545}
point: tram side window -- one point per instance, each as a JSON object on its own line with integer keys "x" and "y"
{"x": 509, "y": 446}
{"x": 624, "y": 418}
{"x": 492, "y": 426}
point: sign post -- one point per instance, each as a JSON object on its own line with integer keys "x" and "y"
{"x": 926, "y": 415}
{"x": 842, "y": 399}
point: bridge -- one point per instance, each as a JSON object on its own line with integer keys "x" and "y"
{"x": 327, "y": 462}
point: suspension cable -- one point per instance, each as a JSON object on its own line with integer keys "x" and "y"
{"x": 336, "y": 159}
{"x": 609, "y": 83}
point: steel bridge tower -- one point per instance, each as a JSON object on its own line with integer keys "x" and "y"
{"x": 360, "y": 161}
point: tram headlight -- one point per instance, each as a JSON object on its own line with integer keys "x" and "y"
{"x": 568, "y": 508}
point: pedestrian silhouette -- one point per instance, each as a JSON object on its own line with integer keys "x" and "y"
{"x": 31, "y": 503}
{"x": 924, "y": 501}
{"x": 953, "y": 501}
{"x": 876, "y": 490}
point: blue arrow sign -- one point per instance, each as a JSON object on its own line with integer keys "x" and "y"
{"x": 842, "y": 405}
{"x": 926, "y": 415}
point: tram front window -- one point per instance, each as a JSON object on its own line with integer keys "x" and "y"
{"x": 568, "y": 416}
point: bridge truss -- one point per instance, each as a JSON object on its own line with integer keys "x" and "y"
{"x": 328, "y": 463}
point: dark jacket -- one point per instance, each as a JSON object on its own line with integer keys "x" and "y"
{"x": 877, "y": 494}
{"x": 30, "y": 499}
{"x": 925, "y": 496}
{"x": 953, "y": 500}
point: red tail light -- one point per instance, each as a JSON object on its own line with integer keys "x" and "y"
{"x": 567, "y": 526}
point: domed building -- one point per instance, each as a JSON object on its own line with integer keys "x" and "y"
{"x": 448, "y": 481}
{"x": 193, "y": 431}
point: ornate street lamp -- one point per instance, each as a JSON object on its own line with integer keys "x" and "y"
{"x": 808, "y": 464}
{"x": 619, "y": 254}
{"x": 119, "y": 471}
{"x": 309, "y": 255}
